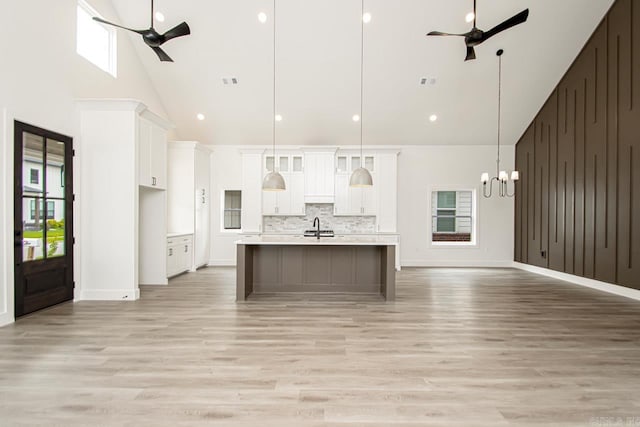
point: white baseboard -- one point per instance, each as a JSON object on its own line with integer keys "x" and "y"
{"x": 6, "y": 319}
{"x": 582, "y": 281}
{"x": 110, "y": 295}
{"x": 222, "y": 263}
{"x": 455, "y": 263}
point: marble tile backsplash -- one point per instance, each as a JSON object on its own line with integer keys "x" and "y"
{"x": 324, "y": 211}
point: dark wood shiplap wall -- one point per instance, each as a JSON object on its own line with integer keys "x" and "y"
{"x": 578, "y": 200}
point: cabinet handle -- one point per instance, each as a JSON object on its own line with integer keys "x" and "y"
{"x": 185, "y": 248}
{"x": 170, "y": 251}
{"x": 153, "y": 178}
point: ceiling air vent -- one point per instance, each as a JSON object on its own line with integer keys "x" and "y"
{"x": 229, "y": 81}
{"x": 428, "y": 81}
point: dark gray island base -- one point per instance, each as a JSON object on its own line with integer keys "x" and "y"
{"x": 307, "y": 265}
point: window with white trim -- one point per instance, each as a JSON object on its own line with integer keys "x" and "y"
{"x": 232, "y": 210}
{"x": 96, "y": 42}
{"x": 452, "y": 217}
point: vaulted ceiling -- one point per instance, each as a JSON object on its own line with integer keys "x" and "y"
{"x": 318, "y": 68}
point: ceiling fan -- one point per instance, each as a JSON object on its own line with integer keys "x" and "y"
{"x": 152, "y": 38}
{"x": 476, "y": 36}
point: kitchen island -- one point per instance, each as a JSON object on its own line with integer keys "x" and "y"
{"x": 268, "y": 264}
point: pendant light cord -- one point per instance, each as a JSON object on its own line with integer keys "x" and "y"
{"x": 273, "y": 118}
{"x": 151, "y": 14}
{"x": 499, "y": 110}
{"x": 361, "y": 75}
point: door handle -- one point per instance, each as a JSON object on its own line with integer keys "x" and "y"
{"x": 18, "y": 240}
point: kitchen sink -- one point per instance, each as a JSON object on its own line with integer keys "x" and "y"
{"x": 323, "y": 233}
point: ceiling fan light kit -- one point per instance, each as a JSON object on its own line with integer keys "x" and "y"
{"x": 476, "y": 36}
{"x": 152, "y": 38}
{"x": 502, "y": 177}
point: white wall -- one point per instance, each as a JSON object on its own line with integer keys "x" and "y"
{"x": 423, "y": 169}
{"x": 420, "y": 170}
{"x": 40, "y": 77}
{"x": 226, "y": 174}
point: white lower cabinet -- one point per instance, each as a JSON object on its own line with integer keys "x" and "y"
{"x": 179, "y": 254}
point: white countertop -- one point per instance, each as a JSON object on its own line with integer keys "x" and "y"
{"x": 347, "y": 240}
{"x": 178, "y": 234}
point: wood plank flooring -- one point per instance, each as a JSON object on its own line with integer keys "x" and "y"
{"x": 459, "y": 347}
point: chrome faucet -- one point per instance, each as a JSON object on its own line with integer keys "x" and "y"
{"x": 318, "y": 229}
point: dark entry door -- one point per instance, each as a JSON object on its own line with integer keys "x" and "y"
{"x": 43, "y": 209}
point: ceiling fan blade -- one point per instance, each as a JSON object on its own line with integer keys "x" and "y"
{"x": 95, "y": 18}
{"x": 177, "y": 31}
{"x": 162, "y": 54}
{"x": 471, "y": 53}
{"x": 513, "y": 21}
{"x": 438, "y": 33}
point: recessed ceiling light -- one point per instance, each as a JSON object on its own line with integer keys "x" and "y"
{"x": 356, "y": 118}
{"x": 470, "y": 16}
{"x": 366, "y": 18}
{"x": 262, "y": 17}
{"x": 200, "y": 116}
{"x": 159, "y": 17}
{"x": 433, "y": 118}
{"x": 278, "y": 118}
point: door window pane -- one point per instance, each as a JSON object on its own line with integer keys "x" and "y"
{"x": 32, "y": 164}
{"x": 33, "y": 224}
{"x": 55, "y": 169}
{"x": 56, "y": 230}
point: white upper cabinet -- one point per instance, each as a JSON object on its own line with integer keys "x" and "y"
{"x": 354, "y": 201}
{"x": 289, "y": 202}
{"x": 152, "y": 152}
{"x": 319, "y": 175}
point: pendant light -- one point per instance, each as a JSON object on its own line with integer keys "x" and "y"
{"x": 361, "y": 177}
{"x": 502, "y": 177}
{"x": 273, "y": 181}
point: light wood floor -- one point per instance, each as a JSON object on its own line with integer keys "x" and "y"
{"x": 459, "y": 347}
